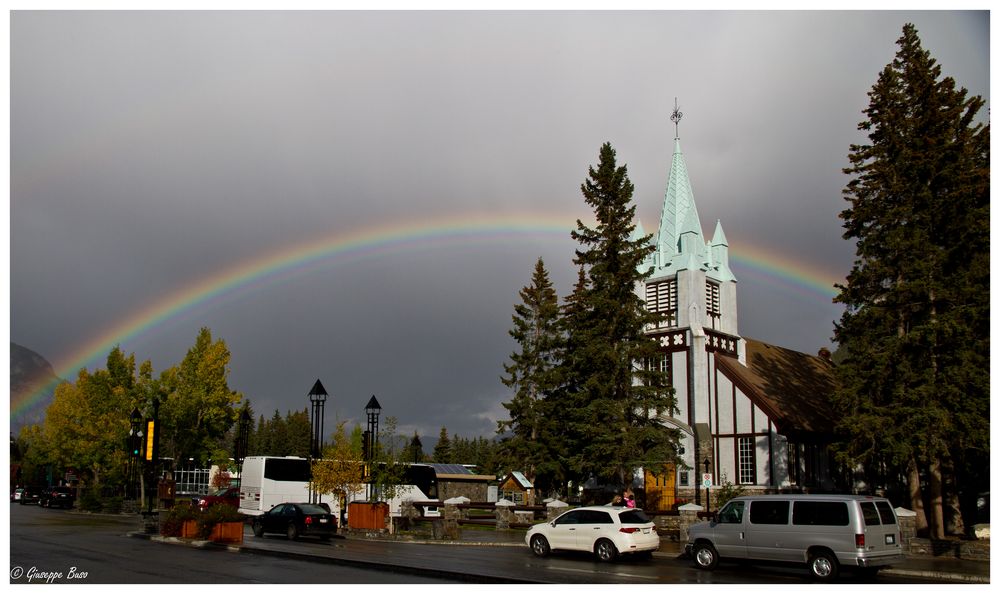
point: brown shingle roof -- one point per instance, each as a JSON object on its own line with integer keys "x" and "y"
{"x": 793, "y": 388}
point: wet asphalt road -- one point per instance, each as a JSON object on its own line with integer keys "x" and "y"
{"x": 78, "y": 548}
{"x": 94, "y": 549}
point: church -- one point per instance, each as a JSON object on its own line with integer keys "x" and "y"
{"x": 750, "y": 413}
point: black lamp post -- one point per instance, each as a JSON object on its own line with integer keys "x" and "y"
{"x": 242, "y": 441}
{"x": 372, "y": 409}
{"x": 134, "y": 452}
{"x": 708, "y": 501}
{"x": 317, "y": 396}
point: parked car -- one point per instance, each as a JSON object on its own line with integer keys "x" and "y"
{"x": 603, "y": 530}
{"x": 29, "y": 495}
{"x": 230, "y": 496}
{"x": 823, "y": 531}
{"x": 15, "y": 495}
{"x": 57, "y": 497}
{"x": 295, "y": 520}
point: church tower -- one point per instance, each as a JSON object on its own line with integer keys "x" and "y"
{"x": 693, "y": 288}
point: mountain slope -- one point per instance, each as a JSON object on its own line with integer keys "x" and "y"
{"x": 32, "y": 385}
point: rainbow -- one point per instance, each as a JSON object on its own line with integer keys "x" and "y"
{"x": 372, "y": 242}
{"x": 797, "y": 276}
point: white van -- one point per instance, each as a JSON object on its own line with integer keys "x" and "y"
{"x": 823, "y": 531}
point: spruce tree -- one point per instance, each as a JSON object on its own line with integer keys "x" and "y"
{"x": 442, "y": 449}
{"x": 531, "y": 440}
{"x": 615, "y": 399}
{"x": 914, "y": 384}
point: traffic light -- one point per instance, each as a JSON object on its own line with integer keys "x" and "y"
{"x": 150, "y": 435}
{"x": 133, "y": 445}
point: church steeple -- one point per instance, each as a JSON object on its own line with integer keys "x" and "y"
{"x": 679, "y": 213}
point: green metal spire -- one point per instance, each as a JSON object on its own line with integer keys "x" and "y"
{"x": 678, "y": 209}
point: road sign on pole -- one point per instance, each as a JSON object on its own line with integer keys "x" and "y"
{"x": 706, "y": 480}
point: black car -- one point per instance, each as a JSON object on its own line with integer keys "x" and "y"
{"x": 29, "y": 496}
{"x": 295, "y": 520}
{"x": 57, "y": 497}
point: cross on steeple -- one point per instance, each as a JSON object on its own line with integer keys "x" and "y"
{"x": 675, "y": 117}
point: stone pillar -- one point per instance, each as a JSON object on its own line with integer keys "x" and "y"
{"x": 907, "y": 527}
{"x": 688, "y": 517}
{"x": 553, "y": 509}
{"x": 452, "y": 514}
{"x": 504, "y": 510}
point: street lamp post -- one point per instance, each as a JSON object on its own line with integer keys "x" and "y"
{"x": 317, "y": 396}
{"x": 372, "y": 409}
{"x": 708, "y": 501}
{"x": 242, "y": 441}
{"x": 134, "y": 452}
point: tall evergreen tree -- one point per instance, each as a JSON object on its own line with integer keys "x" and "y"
{"x": 442, "y": 449}
{"x": 915, "y": 328}
{"x": 532, "y": 431}
{"x": 414, "y": 451}
{"x": 616, "y": 399}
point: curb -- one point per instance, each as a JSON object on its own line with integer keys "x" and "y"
{"x": 937, "y": 575}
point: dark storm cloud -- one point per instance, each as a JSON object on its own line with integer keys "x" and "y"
{"x": 153, "y": 149}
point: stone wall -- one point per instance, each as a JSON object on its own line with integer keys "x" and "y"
{"x": 473, "y": 491}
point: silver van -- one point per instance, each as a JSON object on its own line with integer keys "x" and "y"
{"x": 823, "y": 531}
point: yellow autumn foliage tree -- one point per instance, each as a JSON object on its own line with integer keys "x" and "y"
{"x": 340, "y": 470}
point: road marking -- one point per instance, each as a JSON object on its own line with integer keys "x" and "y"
{"x": 592, "y": 572}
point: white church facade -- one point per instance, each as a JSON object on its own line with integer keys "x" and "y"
{"x": 753, "y": 414}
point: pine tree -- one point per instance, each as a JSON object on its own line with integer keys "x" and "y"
{"x": 915, "y": 328}
{"x": 442, "y": 449}
{"x": 414, "y": 451}
{"x": 531, "y": 443}
{"x": 615, "y": 400}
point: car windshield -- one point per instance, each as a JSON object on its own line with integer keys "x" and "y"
{"x": 220, "y": 492}
{"x": 634, "y": 516}
{"x": 308, "y": 508}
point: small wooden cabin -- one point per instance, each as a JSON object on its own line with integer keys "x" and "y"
{"x": 517, "y": 488}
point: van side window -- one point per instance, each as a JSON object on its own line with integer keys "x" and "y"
{"x": 820, "y": 513}
{"x": 769, "y": 512}
{"x": 869, "y": 513}
{"x": 885, "y": 510}
{"x": 732, "y": 513}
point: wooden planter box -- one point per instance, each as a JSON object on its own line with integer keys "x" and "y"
{"x": 367, "y": 516}
{"x": 227, "y": 532}
{"x": 189, "y": 529}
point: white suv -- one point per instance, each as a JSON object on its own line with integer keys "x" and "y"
{"x": 604, "y": 530}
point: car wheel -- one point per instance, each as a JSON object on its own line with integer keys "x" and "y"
{"x": 823, "y": 565}
{"x": 258, "y": 529}
{"x": 705, "y": 556}
{"x": 540, "y": 546}
{"x": 605, "y": 550}
{"x": 293, "y": 531}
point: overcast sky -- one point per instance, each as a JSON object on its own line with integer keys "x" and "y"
{"x": 151, "y": 151}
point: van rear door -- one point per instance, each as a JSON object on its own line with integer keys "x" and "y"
{"x": 881, "y": 530}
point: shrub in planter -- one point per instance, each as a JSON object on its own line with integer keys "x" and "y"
{"x": 219, "y": 513}
{"x": 172, "y": 523}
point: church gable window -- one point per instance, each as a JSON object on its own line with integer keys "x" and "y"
{"x": 661, "y": 298}
{"x": 748, "y": 476}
